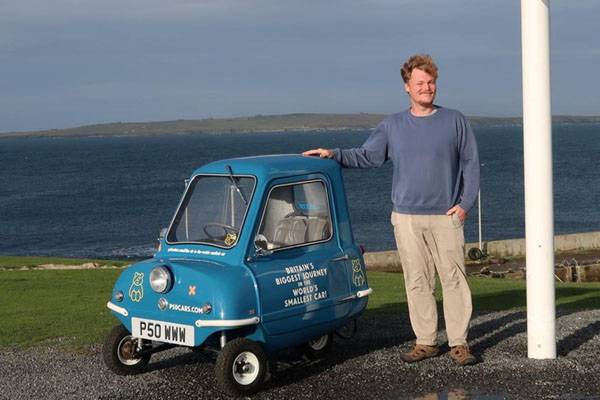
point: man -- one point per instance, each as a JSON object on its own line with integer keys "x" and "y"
{"x": 435, "y": 184}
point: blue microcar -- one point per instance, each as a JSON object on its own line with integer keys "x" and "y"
{"x": 258, "y": 257}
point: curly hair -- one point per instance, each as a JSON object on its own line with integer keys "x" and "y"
{"x": 423, "y": 62}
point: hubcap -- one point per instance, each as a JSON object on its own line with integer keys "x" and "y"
{"x": 320, "y": 343}
{"x": 245, "y": 368}
{"x": 126, "y": 351}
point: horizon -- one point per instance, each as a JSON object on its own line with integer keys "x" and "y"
{"x": 69, "y": 65}
{"x": 266, "y": 116}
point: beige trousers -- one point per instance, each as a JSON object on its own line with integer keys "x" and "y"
{"x": 426, "y": 243}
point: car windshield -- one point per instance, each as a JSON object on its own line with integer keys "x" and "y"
{"x": 212, "y": 211}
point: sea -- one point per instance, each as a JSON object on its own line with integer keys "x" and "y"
{"x": 108, "y": 197}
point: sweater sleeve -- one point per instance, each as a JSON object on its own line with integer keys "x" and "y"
{"x": 469, "y": 165}
{"x": 373, "y": 152}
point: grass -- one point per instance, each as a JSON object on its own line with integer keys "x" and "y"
{"x": 488, "y": 294}
{"x": 70, "y": 305}
{"x": 45, "y": 305}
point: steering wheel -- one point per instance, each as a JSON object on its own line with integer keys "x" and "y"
{"x": 224, "y": 227}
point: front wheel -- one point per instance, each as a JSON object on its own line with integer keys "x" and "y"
{"x": 241, "y": 367}
{"x": 119, "y": 352}
{"x": 317, "y": 348}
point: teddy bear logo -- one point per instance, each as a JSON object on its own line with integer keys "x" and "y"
{"x": 136, "y": 290}
{"x": 358, "y": 276}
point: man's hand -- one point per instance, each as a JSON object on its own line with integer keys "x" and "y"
{"x": 322, "y": 153}
{"x": 458, "y": 210}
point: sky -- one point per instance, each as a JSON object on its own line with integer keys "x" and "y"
{"x": 67, "y": 63}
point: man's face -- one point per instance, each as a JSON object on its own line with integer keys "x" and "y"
{"x": 421, "y": 87}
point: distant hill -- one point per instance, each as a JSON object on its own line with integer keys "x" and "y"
{"x": 261, "y": 123}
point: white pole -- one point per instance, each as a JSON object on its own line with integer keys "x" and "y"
{"x": 539, "y": 214}
{"x": 479, "y": 219}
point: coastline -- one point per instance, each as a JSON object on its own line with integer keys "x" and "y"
{"x": 577, "y": 259}
{"x": 286, "y": 123}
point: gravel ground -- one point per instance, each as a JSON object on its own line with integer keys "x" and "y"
{"x": 367, "y": 366}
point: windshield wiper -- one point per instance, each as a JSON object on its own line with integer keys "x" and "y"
{"x": 234, "y": 181}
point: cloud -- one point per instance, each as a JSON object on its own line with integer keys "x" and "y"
{"x": 58, "y": 11}
{"x": 90, "y": 60}
{"x": 62, "y": 11}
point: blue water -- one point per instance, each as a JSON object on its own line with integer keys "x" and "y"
{"x": 108, "y": 197}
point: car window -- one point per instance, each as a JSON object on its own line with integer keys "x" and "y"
{"x": 295, "y": 214}
{"x": 212, "y": 211}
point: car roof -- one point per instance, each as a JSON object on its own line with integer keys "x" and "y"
{"x": 272, "y": 166}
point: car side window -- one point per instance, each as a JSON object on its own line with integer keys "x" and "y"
{"x": 296, "y": 214}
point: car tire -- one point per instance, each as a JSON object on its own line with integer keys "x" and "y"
{"x": 241, "y": 367}
{"x": 475, "y": 253}
{"x": 317, "y": 348}
{"x": 118, "y": 351}
{"x": 348, "y": 330}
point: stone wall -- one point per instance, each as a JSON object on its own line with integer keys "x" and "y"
{"x": 389, "y": 261}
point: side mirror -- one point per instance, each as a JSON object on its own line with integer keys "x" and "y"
{"x": 162, "y": 234}
{"x": 262, "y": 249}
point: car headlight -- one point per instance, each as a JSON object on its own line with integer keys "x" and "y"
{"x": 160, "y": 279}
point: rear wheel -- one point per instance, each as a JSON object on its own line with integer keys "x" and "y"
{"x": 119, "y": 352}
{"x": 317, "y": 348}
{"x": 347, "y": 330}
{"x": 241, "y": 367}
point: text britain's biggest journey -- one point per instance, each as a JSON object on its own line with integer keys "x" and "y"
{"x": 303, "y": 290}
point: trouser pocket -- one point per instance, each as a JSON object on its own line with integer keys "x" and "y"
{"x": 456, "y": 222}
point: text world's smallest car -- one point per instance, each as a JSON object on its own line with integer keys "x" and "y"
{"x": 259, "y": 257}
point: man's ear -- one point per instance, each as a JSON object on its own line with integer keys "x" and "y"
{"x": 406, "y": 88}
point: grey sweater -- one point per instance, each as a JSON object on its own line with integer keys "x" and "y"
{"x": 436, "y": 164}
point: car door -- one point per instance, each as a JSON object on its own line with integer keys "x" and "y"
{"x": 302, "y": 273}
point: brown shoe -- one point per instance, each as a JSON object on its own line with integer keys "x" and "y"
{"x": 419, "y": 352}
{"x": 462, "y": 355}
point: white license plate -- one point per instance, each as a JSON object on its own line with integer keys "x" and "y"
{"x": 163, "y": 331}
